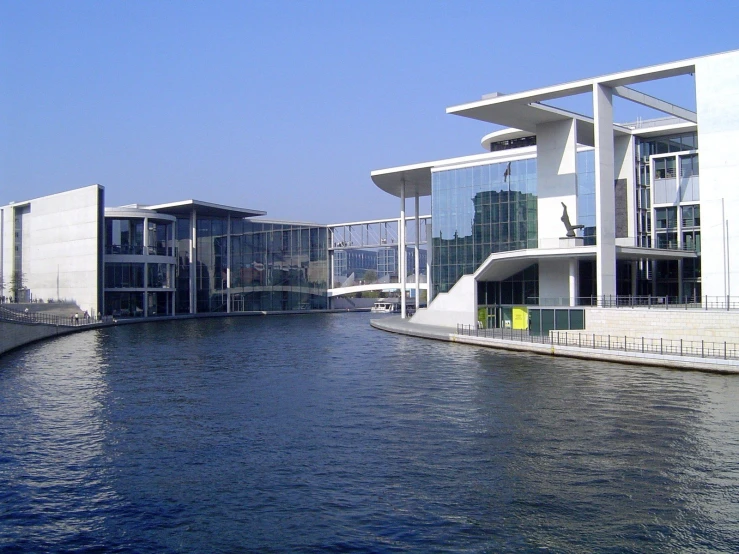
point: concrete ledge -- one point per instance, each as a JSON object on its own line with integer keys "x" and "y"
{"x": 404, "y": 327}
{"x": 16, "y": 334}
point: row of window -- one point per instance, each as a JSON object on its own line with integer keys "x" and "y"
{"x": 666, "y": 168}
{"x": 131, "y": 275}
{"x": 667, "y": 144}
{"x": 666, "y": 218}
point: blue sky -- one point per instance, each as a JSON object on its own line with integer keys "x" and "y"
{"x": 288, "y": 106}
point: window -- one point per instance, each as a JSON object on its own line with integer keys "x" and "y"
{"x": 691, "y": 216}
{"x": 692, "y": 241}
{"x": 666, "y": 218}
{"x": 667, "y": 240}
{"x": 689, "y": 165}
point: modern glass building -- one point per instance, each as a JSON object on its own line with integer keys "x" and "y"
{"x": 140, "y": 262}
{"x": 225, "y": 261}
{"x": 187, "y": 257}
{"x": 567, "y": 210}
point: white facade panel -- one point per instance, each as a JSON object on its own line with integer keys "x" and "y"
{"x": 554, "y": 281}
{"x": 60, "y": 247}
{"x": 717, "y": 98}
{"x": 556, "y": 175}
{"x": 6, "y": 248}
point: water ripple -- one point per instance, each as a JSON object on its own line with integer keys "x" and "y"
{"x": 320, "y": 434}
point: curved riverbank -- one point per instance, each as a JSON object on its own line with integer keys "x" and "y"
{"x": 18, "y": 334}
{"x": 551, "y": 348}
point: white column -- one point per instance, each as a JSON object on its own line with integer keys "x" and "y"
{"x": 401, "y": 251}
{"x": 193, "y": 253}
{"x": 228, "y": 264}
{"x": 605, "y": 217}
{"x": 416, "y": 251}
{"x": 146, "y": 267}
{"x": 634, "y": 277}
{"x": 573, "y": 281}
{"x": 429, "y": 254}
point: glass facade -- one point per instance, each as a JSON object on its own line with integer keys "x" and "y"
{"x": 271, "y": 266}
{"x": 139, "y": 264}
{"x": 387, "y": 262}
{"x": 586, "y": 194}
{"x": 477, "y": 211}
{"x": 668, "y": 216}
{"x": 278, "y": 266}
{"x": 124, "y": 236}
{"x": 182, "y": 272}
{"x": 358, "y": 262}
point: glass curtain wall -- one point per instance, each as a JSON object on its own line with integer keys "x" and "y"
{"x": 586, "y": 194}
{"x": 278, "y": 266}
{"x": 669, "y": 232}
{"x": 210, "y": 267}
{"x": 182, "y": 279}
{"x": 124, "y": 236}
{"x": 477, "y": 211}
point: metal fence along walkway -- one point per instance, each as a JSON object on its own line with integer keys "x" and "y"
{"x": 7, "y": 314}
{"x": 653, "y": 302}
{"x": 665, "y": 347}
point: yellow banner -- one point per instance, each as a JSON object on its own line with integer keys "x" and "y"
{"x": 520, "y": 318}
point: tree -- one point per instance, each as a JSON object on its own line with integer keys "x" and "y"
{"x": 370, "y": 276}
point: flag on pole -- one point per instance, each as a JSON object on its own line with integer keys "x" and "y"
{"x": 507, "y": 173}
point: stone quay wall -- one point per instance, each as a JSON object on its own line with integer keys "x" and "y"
{"x": 671, "y": 324}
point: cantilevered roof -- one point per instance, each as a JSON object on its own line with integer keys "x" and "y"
{"x": 501, "y": 265}
{"x": 184, "y": 207}
{"x": 417, "y": 179}
{"x": 523, "y": 110}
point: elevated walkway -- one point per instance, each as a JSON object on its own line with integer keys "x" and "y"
{"x": 353, "y": 289}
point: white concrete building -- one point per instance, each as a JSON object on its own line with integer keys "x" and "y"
{"x": 635, "y": 189}
{"x": 51, "y": 248}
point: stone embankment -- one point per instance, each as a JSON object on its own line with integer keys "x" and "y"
{"x": 549, "y": 346}
{"x": 15, "y": 334}
{"x": 22, "y": 324}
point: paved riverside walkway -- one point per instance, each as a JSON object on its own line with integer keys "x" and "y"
{"x": 395, "y": 324}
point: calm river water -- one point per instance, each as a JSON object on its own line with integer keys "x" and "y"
{"x": 318, "y": 433}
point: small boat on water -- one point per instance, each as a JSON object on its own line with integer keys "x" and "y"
{"x": 386, "y": 306}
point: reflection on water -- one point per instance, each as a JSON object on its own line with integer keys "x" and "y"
{"x": 316, "y": 433}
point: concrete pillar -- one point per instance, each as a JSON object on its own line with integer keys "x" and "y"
{"x": 146, "y": 267}
{"x": 228, "y": 264}
{"x": 193, "y": 254}
{"x": 605, "y": 217}
{"x": 556, "y": 176}
{"x": 401, "y": 251}
{"x": 429, "y": 254}
{"x": 416, "y": 251}
{"x": 634, "y": 277}
{"x": 573, "y": 281}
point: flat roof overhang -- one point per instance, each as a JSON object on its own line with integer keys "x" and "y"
{"x": 185, "y": 207}
{"x": 501, "y": 265}
{"x": 522, "y": 110}
{"x": 416, "y": 178}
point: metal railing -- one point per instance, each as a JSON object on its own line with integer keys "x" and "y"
{"x": 654, "y": 302}
{"x": 672, "y": 347}
{"x": 7, "y": 314}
